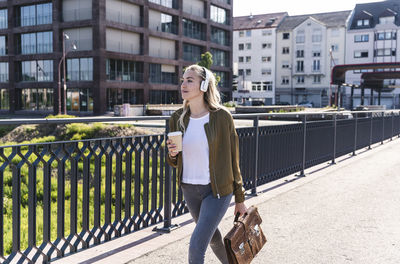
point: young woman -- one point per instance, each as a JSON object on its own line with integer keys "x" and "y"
{"x": 208, "y": 165}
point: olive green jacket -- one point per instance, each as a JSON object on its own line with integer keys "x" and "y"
{"x": 223, "y": 146}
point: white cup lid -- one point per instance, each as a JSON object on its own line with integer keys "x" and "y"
{"x": 176, "y": 133}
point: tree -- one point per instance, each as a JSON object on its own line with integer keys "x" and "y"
{"x": 206, "y": 61}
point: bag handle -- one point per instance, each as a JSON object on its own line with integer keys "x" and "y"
{"x": 237, "y": 217}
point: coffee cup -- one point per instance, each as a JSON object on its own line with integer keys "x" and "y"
{"x": 176, "y": 138}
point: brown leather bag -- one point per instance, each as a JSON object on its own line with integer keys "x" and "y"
{"x": 246, "y": 238}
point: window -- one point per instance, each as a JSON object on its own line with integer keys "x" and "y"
{"x": 316, "y": 65}
{"x": 169, "y": 24}
{"x": 36, "y": 99}
{"x": 266, "y": 45}
{"x": 316, "y": 38}
{"x": 267, "y": 86}
{"x": 256, "y": 86}
{"x": 266, "y": 59}
{"x": 361, "y": 38}
{"x": 240, "y": 59}
{"x": 193, "y": 29}
{"x": 218, "y": 15}
{"x": 248, "y": 58}
{"x": 240, "y": 72}
{"x": 224, "y": 81}
{"x": 362, "y": 22}
{"x": 316, "y": 53}
{"x": 300, "y": 53}
{"x": 300, "y": 66}
{"x": 385, "y": 35}
{"x": 386, "y": 20}
{"x": 123, "y": 70}
{"x": 335, "y": 32}
{"x": 300, "y": 38}
{"x": 241, "y": 34}
{"x": 241, "y": 46}
{"x": 3, "y": 45}
{"x": 335, "y": 47}
{"x": 360, "y": 54}
{"x": 266, "y": 32}
{"x": 300, "y": 79}
{"x": 285, "y": 80}
{"x": 248, "y": 72}
{"x": 163, "y": 74}
{"x": 285, "y": 65}
{"x": 191, "y": 52}
{"x": 4, "y": 99}
{"x": 80, "y": 69}
{"x": 3, "y": 18}
{"x": 248, "y": 33}
{"x": 220, "y": 57}
{"x": 385, "y": 52}
{"x": 266, "y": 71}
{"x": 218, "y": 36}
{"x": 285, "y": 35}
{"x": 285, "y": 50}
{"x": 166, "y": 3}
{"x": 248, "y": 46}
{"x": 34, "y": 43}
{"x": 35, "y": 14}
{"x": 3, "y": 72}
{"x": 35, "y": 71}
{"x": 317, "y": 79}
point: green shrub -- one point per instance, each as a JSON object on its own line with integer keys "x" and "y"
{"x": 59, "y": 116}
{"x": 81, "y": 131}
{"x": 230, "y": 104}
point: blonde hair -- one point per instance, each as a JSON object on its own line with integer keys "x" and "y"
{"x": 212, "y": 97}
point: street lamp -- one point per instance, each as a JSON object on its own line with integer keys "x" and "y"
{"x": 291, "y": 83}
{"x": 62, "y": 60}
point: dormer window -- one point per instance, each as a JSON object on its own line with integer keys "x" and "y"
{"x": 386, "y": 20}
{"x": 362, "y": 22}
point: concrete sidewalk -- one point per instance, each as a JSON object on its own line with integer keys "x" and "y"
{"x": 343, "y": 213}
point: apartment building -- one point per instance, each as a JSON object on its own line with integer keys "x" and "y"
{"x": 117, "y": 51}
{"x": 372, "y": 37}
{"x": 254, "y": 54}
{"x": 308, "y": 46}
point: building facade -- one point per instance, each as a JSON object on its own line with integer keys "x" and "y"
{"x": 307, "y": 48}
{"x": 117, "y": 51}
{"x": 254, "y": 49}
{"x": 372, "y": 37}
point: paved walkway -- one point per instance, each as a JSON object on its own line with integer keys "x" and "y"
{"x": 345, "y": 213}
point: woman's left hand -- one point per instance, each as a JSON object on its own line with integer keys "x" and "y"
{"x": 240, "y": 208}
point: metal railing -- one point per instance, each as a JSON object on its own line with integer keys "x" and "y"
{"x": 59, "y": 197}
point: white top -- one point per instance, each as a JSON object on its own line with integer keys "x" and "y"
{"x": 195, "y": 152}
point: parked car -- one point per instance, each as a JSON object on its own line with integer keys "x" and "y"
{"x": 257, "y": 103}
{"x": 306, "y": 104}
{"x": 282, "y": 103}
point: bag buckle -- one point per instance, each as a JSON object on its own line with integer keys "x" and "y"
{"x": 241, "y": 248}
{"x": 256, "y": 230}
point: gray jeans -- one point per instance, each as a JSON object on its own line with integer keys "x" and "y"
{"x": 207, "y": 211}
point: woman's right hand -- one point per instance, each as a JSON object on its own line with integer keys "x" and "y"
{"x": 171, "y": 148}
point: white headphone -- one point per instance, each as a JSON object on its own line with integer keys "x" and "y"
{"x": 204, "y": 84}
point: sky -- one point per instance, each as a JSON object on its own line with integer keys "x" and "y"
{"x": 293, "y": 7}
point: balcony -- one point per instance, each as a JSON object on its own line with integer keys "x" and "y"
{"x": 128, "y": 19}
{"x": 77, "y": 14}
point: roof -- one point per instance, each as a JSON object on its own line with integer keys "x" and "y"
{"x": 258, "y": 21}
{"x": 331, "y": 19}
{"x": 376, "y": 10}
